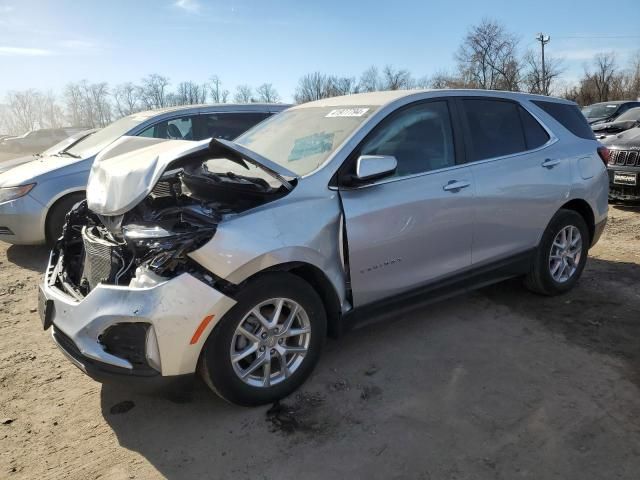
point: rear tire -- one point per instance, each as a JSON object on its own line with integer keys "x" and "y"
{"x": 57, "y": 214}
{"x": 561, "y": 255}
{"x": 224, "y": 358}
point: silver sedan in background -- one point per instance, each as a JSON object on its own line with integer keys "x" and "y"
{"x": 35, "y": 196}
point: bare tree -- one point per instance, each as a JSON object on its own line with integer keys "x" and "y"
{"x": 268, "y": 94}
{"x": 312, "y": 86}
{"x": 337, "y": 86}
{"x": 533, "y": 79}
{"x": 244, "y": 94}
{"x": 154, "y": 91}
{"x": 487, "y": 57}
{"x": 24, "y": 108}
{"x": 393, "y": 79}
{"x": 190, "y": 93}
{"x": 604, "y": 75}
{"x": 218, "y": 94}
{"x": 127, "y": 99}
{"x": 443, "y": 79}
{"x": 51, "y": 114}
{"x": 370, "y": 80}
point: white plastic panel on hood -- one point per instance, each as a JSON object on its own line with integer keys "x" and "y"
{"x": 126, "y": 172}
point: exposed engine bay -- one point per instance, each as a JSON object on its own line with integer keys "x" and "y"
{"x": 179, "y": 215}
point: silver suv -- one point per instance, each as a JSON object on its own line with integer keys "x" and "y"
{"x": 237, "y": 259}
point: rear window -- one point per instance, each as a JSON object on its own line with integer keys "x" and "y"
{"x": 569, "y": 116}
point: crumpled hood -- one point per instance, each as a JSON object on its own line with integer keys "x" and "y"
{"x": 125, "y": 172}
{"x": 29, "y": 171}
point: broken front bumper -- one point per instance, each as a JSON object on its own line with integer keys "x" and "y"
{"x": 172, "y": 311}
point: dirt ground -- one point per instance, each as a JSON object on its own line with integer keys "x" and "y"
{"x": 499, "y": 383}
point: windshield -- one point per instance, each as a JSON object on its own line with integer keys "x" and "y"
{"x": 632, "y": 114}
{"x": 96, "y": 142}
{"x": 302, "y": 139}
{"x": 600, "y": 110}
{"x": 58, "y": 147}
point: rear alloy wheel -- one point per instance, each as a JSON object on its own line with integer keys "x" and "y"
{"x": 565, "y": 254}
{"x": 266, "y": 346}
{"x": 561, "y": 255}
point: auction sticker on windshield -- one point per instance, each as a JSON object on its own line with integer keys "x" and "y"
{"x": 347, "y": 112}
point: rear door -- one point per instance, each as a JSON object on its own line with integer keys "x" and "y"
{"x": 415, "y": 226}
{"x": 520, "y": 174}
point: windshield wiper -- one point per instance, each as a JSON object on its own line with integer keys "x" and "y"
{"x": 272, "y": 168}
{"x": 69, "y": 154}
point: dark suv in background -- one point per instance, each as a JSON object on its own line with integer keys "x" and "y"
{"x": 607, "y": 111}
{"x": 624, "y": 165}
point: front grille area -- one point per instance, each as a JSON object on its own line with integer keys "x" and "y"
{"x": 101, "y": 261}
{"x": 5, "y": 231}
{"x": 627, "y": 158}
{"x": 162, "y": 189}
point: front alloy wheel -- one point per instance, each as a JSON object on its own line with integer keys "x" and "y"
{"x": 270, "y": 342}
{"x": 266, "y": 346}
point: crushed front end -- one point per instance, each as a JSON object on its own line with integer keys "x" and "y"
{"x": 121, "y": 293}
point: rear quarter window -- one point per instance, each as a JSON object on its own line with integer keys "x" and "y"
{"x": 569, "y": 116}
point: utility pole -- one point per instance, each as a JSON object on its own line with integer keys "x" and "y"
{"x": 543, "y": 41}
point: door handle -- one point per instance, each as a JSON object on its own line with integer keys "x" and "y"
{"x": 455, "y": 185}
{"x": 548, "y": 163}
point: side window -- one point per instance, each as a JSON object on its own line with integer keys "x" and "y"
{"x": 230, "y": 125}
{"x": 494, "y": 127}
{"x": 175, "y": 129}
{"x": 568, "y": 116}
{"x": 420, "y": 137}
{"x": 535, "y": 135}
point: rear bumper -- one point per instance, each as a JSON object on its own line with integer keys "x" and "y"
{"x": 21, "y": 221}
{"x": 172, "y": 311}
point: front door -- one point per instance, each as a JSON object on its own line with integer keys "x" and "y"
{"x": 413, "y": 227}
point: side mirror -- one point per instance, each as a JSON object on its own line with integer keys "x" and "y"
{"x": 371, "y": 167}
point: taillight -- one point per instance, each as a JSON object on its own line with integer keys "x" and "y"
{"x": 605, "y": 154}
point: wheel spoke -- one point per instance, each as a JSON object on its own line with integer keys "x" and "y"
{"x": 289, "y": 321}
{"x": 283, "y": 365}
{"x": 256, "y": 313}
{"x": 295, "y": 332}
{"x": 257, "y": 363}
{"x": 266, "y": 380}
{"x": 277, "y": 313}
{"x": 292, "y": 350}
{"x": 245, "y": 353}
{"x": 247, "y": 334}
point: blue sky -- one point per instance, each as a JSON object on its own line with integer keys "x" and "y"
{"x": 45, "y": 44}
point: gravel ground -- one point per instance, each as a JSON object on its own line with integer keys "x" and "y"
{"x": 499, "y": 383}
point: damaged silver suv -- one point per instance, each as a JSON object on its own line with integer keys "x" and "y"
{"x": 237, "y": 259}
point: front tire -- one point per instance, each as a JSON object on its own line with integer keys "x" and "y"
{"x": 561, "y": 255}
{"x": 267, "y": 345}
